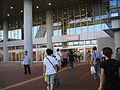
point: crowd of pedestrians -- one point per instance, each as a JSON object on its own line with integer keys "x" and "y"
{"x": 106, "y": 69}
{"x": 110, "y": 72}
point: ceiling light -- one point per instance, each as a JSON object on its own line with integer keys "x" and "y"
{"x": 37, "y": 7}
{"x": 11, "y": 7}
{"x": 83, "y": 9}
{"x": 21, "y": 10}
{"x": 64, "y": 12}
{"x": 49, "y": 4}
{"x": 8, "y": 15}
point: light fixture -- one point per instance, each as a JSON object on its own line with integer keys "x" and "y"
{"x": 49, "y": 4}
{"x": 64, "y": 12}
{"x": 21, "y": 11}
{"x": 83, "y": 9}
{"x": 8, "y": 14}
{"x": 37, "y": 7}
{"x": 11, "y": 7}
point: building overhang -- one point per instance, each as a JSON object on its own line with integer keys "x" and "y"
{"x": 43, "y": 5}
{"x": 110, "y": 32}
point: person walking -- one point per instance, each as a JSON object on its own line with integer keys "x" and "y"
{"x": 49, "y": 68}
{"x": 71, "y": 58}
{"x": 118, "y": 54}
{"x": 58, "y": 56}
{"x": 96, "y": 58}
{"x": 89, "y": 57}
{"x": 65, "y": 58}
{"x": 110, "y": 72}
{"x": 26, "y": 62}
{"x": 78, "y": 56}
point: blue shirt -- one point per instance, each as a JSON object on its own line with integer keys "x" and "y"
{"x": 96, "y": 54}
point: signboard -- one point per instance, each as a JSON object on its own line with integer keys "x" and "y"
{"x": 70, "y": 38}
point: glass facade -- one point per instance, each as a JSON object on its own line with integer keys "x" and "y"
{"x": 80, "y": 19}
{"x": 14, "y": 35}
{"x": 114, "y": 3}
{"x": 17, "y": 52}
{"x": 75, "y": 20}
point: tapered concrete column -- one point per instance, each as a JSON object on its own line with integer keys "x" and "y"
{"x": 49, "y": 27}
{"x": 117, "y": 39}
{"x": 116, "y": 31}
{"x": 28, "y": 27}
{"x": 5, "y": 39}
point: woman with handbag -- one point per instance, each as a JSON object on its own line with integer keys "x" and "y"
{"x": 50, "y": 65}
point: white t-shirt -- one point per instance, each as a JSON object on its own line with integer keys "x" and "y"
{"x": 49, "y": 68}
{"x": 26, "y": 60}
{"x": 58, "y": 55}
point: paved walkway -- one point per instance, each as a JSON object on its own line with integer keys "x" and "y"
{"x": 12, "y": 78}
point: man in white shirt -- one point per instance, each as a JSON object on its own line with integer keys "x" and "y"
{"x": 49, "y": 68}
{"x": 58, "y": 56}
{"x": 26, "y": 62}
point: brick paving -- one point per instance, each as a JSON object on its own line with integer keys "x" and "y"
{"x": 78, "y": 79}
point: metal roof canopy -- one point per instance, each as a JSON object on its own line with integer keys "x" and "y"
{"x": 5, "y": 6}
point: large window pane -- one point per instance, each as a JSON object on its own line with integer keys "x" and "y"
{"x": 98, "y": 26}
{"x": 78, "y": 30}
{"x": 84, "y": 29}
{"x": 113, "y": 3}
{"x": 14, "y": 34}
{"x": 83, "y": 12}
{"x": 91, "y": 28}
{"x": 1, "y": 35}
{"x": 72, "y": 31}
{"x": 96, "y": 9}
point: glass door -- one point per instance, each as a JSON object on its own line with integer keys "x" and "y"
{"x": 81, "y": 54}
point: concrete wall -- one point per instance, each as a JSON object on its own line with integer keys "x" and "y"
{"x": 105, "y": 42}
{"x": 116, "y": 23}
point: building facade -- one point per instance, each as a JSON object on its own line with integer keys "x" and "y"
{"x": 78, "y": 27}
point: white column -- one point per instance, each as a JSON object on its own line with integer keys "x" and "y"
{"x": 117, "y": 39}
{"x": 28, "y": 27}
{"x": 49, "y": 27}
{"x": 5, "y": 39}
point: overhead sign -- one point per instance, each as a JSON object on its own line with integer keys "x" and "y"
{"x": 72, "y": 37}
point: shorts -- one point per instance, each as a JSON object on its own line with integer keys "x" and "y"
{"x": 51, "y": 79}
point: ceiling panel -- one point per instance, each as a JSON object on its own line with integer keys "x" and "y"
{"x": 43, "y": 5}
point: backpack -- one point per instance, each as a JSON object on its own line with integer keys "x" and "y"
{"x": 98, "y": 61}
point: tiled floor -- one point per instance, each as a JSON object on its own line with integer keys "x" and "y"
{"x": 12, "y": 78}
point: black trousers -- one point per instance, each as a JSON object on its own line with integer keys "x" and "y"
{"x": 27, "y": 69}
